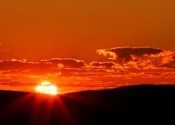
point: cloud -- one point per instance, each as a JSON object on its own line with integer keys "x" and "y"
{"x": 101, "y": 75}
{"x": 40, "y": 67}
{"x": 168, "y": 62}
{"x": 107, "y": 65}
{"x": 123, "y": 54}
{"x": 144, "y": 64}
{"x": 139, "y": 57}
{"x": 103, "y": 64}
{"x": 12, "y": 64}
{"x": 23, "y": 66}
{"x": 65, "y": 62}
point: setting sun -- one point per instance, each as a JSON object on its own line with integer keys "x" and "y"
{"x": 47, "y": 88}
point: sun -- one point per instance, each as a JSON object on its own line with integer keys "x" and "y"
{"x": 47, "y": 88}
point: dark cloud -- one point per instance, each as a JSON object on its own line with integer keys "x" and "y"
{"x": 66, "y": 62}
{"x": 43, "y": 66}
{"x": 139, "y": 57}
{"x": 19, "y": 66}
{"x": 103, "y": 64}
{"x": 169, "y": 63}
{"x": 13, "y": 65}
{"x": 123, "y": 54}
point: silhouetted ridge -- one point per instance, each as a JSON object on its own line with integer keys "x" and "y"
{"x": 139, "y": 104}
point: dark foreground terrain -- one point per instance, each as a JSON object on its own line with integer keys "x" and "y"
{"x": 143, "y": 105}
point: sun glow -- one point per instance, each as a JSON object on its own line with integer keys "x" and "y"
{"x": 47, "y": 88}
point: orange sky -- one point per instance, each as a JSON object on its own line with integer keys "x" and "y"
{"x": 86, "y": 44}
{"x": 36, "y": 29}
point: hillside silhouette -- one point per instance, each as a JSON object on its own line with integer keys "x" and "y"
{"x": 139, "y": 104}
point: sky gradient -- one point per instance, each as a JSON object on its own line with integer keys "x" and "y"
{"x": 72, "y": 42}
{"x": 35, "y": 29}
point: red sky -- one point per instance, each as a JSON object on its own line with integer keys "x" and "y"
{"x": 137, "y": 36}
